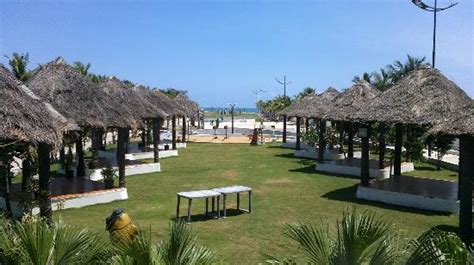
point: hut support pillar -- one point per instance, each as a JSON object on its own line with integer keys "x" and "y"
{"x": 466, "y": 174}
{"x": 350, "y": 140}
{"x": 143, "y": 139}
{"x": 382, "y": 131}
{"x": 44, "y": 199}
{"x": 397, "y": 161}
{"x": 156, "y": 140}
{"x": 322, "y": 141}
{"x": 184, "y": 129}
{"x": 62, "y": 157}
{"x": 27, "y": 175}
{"x": 364, "y": 163}
{"x": 121, "y": 149}
{"x": 173, "y": 133}
{"x": 341, "y": 137}
{"x": 284, "y": 128}
{"x": 306, "y": 125}
{"x": 81, "y": 167}
{"x": 96, "y": 145}
{"x": 298, "y": 133}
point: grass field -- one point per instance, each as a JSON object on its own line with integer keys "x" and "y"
{"x": 286, "y": 190}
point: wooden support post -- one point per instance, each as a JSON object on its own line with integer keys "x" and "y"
{"x": 322, "y": 141}
{"x": 121, "y": 149}
{"x": 284, "y": 129}
{"x": 156, "y": 140}
{"x": 44, "y": 199}
{"x": 178, "y": 202}
{"x": 250, "y": 201}
{"x": 81, "y": 166}
{"x": 218, "y": 206}
{"x": 143, "y": 140}
{"x": 190, "y": 204}
{"x": 207, "y": 206}
{"x": 350, "y": 140}
{"x": 298, "y": 133}
{"x": 364, "y": 164}
{"x": 213, "y": 204}
{"x": 466, "y": 174}
{"x": 397, "y": 161}
{"x": 184, "y": 130}
{"x": 382, "y": 131}
{"x": 173, "y": 133}
{"x": 306, "y": 125}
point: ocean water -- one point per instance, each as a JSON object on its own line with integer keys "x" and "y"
{"x": 214, "y": 109}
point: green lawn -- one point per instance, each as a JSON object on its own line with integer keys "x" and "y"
{"x": 286, "y": 190}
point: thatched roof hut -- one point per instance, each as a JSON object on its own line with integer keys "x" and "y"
{"x": 140, "y": 107}
{"x": 457, "y": 123}
{"x": 25, "y": 117}
{"x": 319, "y": 105}
{"x": 424, "y": 96}
{"x": 160, "y": 100}
{"x": 78, "y": 98}
{"x": 347, "y": 103}
{"x": 190, "y": 107}
{"x": 299, "y": 108}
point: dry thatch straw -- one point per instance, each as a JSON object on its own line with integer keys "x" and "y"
{"x": 457, "y": 123}
{"x": 298, "y": 108}
{"x": 25, "y": 117}
{"x": 190, "y": 107}
{"x": 141, "y": 108}
{"x": 77, "y": 97}
{"x": 318, "y": 106}
{"x": 424, "y": 96}
{"x": 346, "y": 104}
{"x": 160, "y": 100}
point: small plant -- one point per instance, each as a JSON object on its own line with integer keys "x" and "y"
{"x": 310, "y": 137}
{"x": 108, "y": 173}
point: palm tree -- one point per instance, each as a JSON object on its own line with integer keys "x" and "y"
{"x": 36, "y": 242}
{"x": 398, "y": 70}
{"x": 18, "y": 63}
{"x": 82, "y": 68}
{"x": 365, "y": 76}
{"x": 366, "y": 239}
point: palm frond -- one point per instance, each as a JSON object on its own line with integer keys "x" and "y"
{"x": 315, "y": 241}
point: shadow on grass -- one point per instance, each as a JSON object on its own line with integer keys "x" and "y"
{"x": 426, "y": 168}
{"x": 348, "y": 194}
{"x": 211, "y": 216}
{"x": 279, "y": 147}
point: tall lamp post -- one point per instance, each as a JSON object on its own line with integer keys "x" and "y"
{"x": 284, "y": 83}
{"x": 232, "y": 105}
{"x": 435, "y": 9}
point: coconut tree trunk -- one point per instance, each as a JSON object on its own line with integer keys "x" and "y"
{"x": 44, "y": 199}
{"x": 121, "y": 150}
{"x": 156, "y": 140}
{"x": 466, "y": 174}
{"x": 184, "y": 129}
{"x": 173, "y": 133}
{"x": 382, "y": 145}
{"x": 364, "y": 164}
{"x": 322, "y": 141}
{"x": 298, "y": 133}
{"x": 81, "y": 168}
{"x": 397, "y": 161}
{"x": 284, "y": 129}
{"x": 350, "y": 140}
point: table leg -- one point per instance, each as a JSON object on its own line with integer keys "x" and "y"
{"x": 189, "y": 210}
{"x": 250, "y": 201}
{"x": 223, "y": 205}
{"x": 207, "y": 206}
{"x": 238, "y": 201}
{"x": 177, "y": 207}
{"x": 213, "y": 204}
{"x": 218, "y": 206}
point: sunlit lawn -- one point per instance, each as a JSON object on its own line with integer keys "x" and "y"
{"x": 286, "y": 190}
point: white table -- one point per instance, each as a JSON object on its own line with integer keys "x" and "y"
{"x": 234, "y": 189}
{"x": 198, "y": 194}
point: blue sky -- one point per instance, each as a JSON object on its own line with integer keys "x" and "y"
{"x": 220, "y": 50}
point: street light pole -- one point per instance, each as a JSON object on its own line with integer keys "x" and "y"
{"x": 435, "y": 9}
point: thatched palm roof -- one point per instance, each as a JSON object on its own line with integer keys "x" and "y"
{"x": 458, "y": 122}
{"x": 25, "y": 117}
{"x": 160, "y": 101}
{"x": 347, "y": 103}
{"x": 78, "y": 98}
{"x": 424, "y": 96}
{"x": 139, "y": 107}
{"x": 299, "y": 108}
{"x": 190, "y": 107}
{"x": 319, "y": 105}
